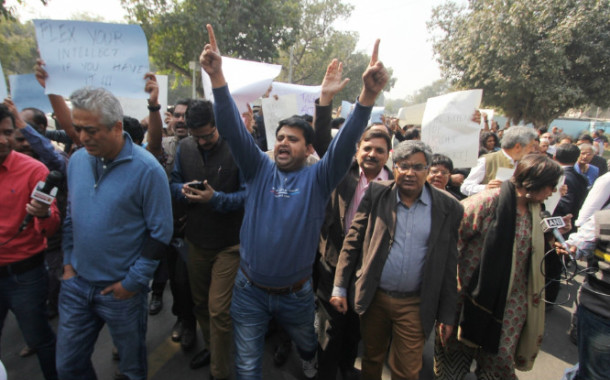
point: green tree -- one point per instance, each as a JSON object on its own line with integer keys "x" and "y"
{"x": 248, "y": 29}
{"x": 7, "y": 13}
{"x": 318, "y": 42}
{"x": 18, "y": 51}
{"x": 438, "y": 87}
{"x": 534, "y": 59}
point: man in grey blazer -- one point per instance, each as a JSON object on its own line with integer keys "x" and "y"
{"x": 398, "y": 265}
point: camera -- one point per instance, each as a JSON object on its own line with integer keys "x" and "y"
{"x": 197, "y": 185}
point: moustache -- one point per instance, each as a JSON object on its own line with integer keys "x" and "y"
{"x": 180, "y": 124}
{"x": 371, "y": 159}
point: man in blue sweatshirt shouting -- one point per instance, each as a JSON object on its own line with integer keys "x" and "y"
{"x": 284, "y": 211}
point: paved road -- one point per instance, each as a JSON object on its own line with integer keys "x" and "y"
{"x": 168, "y": 361}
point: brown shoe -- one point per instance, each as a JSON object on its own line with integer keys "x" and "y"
{"x": 27, "y": 351}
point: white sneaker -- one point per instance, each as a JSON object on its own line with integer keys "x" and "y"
{"x": 310, "y": 367}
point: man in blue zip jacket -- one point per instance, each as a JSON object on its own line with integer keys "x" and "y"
{"x": 284, "y": 211}
{"x": 117, "y": 227}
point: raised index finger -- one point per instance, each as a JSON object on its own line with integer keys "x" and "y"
{"x": 212, "y": 37}
{"x": 375, "y": 56}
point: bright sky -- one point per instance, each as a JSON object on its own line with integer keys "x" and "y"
{"x": 401, "y": 25}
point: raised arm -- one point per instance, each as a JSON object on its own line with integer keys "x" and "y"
{"x": 62, "y": 112}
{"x": 155, "y": 124}
{"x": 338, "y": 157}
{"x": 211, "y": 61}
{"x": 332, "y": 84}
{"x": 230, "y": 125}
{"x": 375, "y": 78}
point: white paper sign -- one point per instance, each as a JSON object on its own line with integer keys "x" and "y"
{"x": 306, "y": 95}
{"x": 80, "y": 53}
{"x": 276, "y": 110}
{"x": 551, "y": 202}
{"x": 346, "y": 108}
{"x": 412, "y": 115}
{"x": 27, "y": 92}
{"x": 3, "y": 90}
{"x": 448, "y": 129}
{"x": 490, "y": 116}
{"x": 504, "y": 174}
{"x": 138, "y": 108}
{"x": 247, "y": 80}
{"x": 376, "y": 114}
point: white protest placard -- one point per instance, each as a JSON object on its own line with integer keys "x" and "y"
{"x": 553, "y": 200}
{"x": 504, "y": 174}
{"x": 490, "y": 116}
{"x": 376, "y": 114}
{"x": 3, "y": 90}
{"x": 80, "y": 53}
{"x": 411, "y": 115}
{"x": 275, "y": 110}
{"x": 138, "y": 108}
{"x": 247, "y": 80}
{"x": 27, "y": 92}
{"x": 306, "y": 95}
{"x": 346, "y": 108}
{"x": 448, "y": 128}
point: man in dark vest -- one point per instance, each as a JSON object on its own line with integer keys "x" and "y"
{"x": 203, "y": 163}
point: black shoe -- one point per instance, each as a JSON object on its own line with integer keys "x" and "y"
{"x": 119, "y": 376}
{"x": 281, "y": 353}
{"x": 350, "y": 374}
{"x": 115, "y": 354}
{"x": 189, "y": 337}
{"x": 202, "y": 358}
{"x": 52, "y": 311}
{"x": 156, "y": 304}
{"x": 177, "y": 331}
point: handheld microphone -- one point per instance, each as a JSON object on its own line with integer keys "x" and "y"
{"x": 552, "y": 223}
{"x": 44, "y": 192}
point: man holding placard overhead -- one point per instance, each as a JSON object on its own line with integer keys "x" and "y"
{"x": 284, "y": 211}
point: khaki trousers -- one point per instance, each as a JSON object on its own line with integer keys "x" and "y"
{"x": 394, "y": 323}
{"x": 211, "y": 276}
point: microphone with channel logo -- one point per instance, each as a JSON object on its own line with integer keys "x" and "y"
{"x": 44, "y": 192}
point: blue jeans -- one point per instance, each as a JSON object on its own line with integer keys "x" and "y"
{"x": 251, "y": 310}
{"x": 25, "y": 295}
{"x": 593, "y": 345}
{"x": 82, "y": 314}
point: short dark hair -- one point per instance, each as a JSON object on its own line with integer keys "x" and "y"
{"x": 199, "y": 114}
{"x": 300, "y": 123}
{"x": 441, "y": 159}
{"x": 409, "y": 147}
{"x": 336, "y": 122}
{"x": 376, "y": 134}
{"x": 38, "y": 117}
{"x": 412, "y": 134}
{"x": 181, "y": 102}
{"x": 5, "y": 112}
{"x": 307, "y": 117}
{"x": 567, "y": 153}
{"x": 535, "y": 172}
{"x": 134, "y": 129}
{"x": 586, "y": 137}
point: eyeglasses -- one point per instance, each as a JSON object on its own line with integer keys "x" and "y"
{"x": 405, "y": 167}
{"x": 207, "y": 137}
{"x": 439, "y": 171}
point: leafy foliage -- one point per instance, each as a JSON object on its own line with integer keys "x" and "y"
{"x": 7, "y": 13}
{"x": 533, "y": 59}
{"x": 248, "y": 29}
{"x": 18, "y": 49}
{"x": 317, "y": 43}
